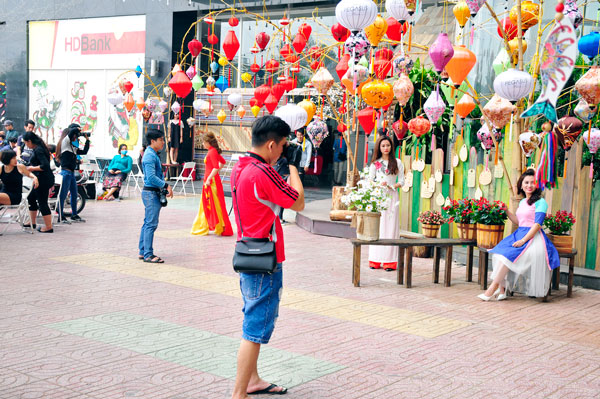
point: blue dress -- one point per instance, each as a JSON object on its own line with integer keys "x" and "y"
{"x": 529, "y": 265}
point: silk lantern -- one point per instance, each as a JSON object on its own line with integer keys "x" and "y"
{"x": 513, "y": 84}
{"x": 210, "y": 83}
{"x": 176, "y": 107}
{"x": 221, "y": 116}
{"x": 340, "y": 32}
{"x": 214, "y": 66}
{"x": 441, "y": 52}
{"x": 402, "y": 64}
{"x": 397, "y": 9}
{"x": 115, "y": 98}
{"x": 140, "y": 103}
{"x": 235, "y": 98}
{"x": 262, "y": 39}
{"x": 395, "y": 29}
{"x": 181, "y": 84}
{"x": 461, "y": 13}
{"x": 271, "y": 103}
{"x": 213, "y": 39}
{"x": 583, "y": 111}
{"x": 310, "y": 109}
{"x": 419, "y": 126}
{"x": 197, "y": 82}
{"x": 567, "y": 130}
{"x": 138, "y": 71}
{"x": 357, "y": 45}
{"x": 403, "y": 89}
{"x": 167, "y": 91}
{"x": 530, "y": 13}
{"x": 241, "y": 111}
{"x": 271, "y": 66}
{"x": 261, "y": 93}
{"x": 231, "y": 45}
{"x": 355, "y": 14}
{"x": 206, "y": 108}
{"x": 502, "y": 61}
{"x": 572, "y": 12}
{"x": 129, "y": 102}
{"x": 510, "y": 29}
{"x": 460, "y": 64}
{"x": 233, "y": 21}
{"x": 588, "y": 86}
{"x": 400, "y": 129}
{"x": 294, "y": 115}
{"x": 592, "y": 139}
{"x": 485, "y": 137}
{"x": 376, "y": 30}
{"x": 299, "y": 43}
{"x": 195, "y": 47}
{"x": 513, "y": 45}
{"x": 498, "y": 111}
{"x": 366, "y": 119}
{"x": 128, "y": 86}
{"x": 377, "y": 93}
{"x": 529, "y": 141}
{"x": 222, "y": 84}
{"x": 352, "y": 83}
{"x": 197, "y": 105}
{"x": 465, "y": 106}
{"x": 176, "y": 68}
{"x": 162, "y": 105}
{"x": 434, "y": 107}
{"x": 305, "y": 30}
{"x": 589, "y": 44}
{"x": 255, "y": 110}
{"x": 317, "y": 131}
{"x": 342, "y": 66}
{"x": 474, "y": 6}
{"x": 190, "y": 72}
{"x": 322, "y": 80}
{"x": 278, "y": 91}
{"x": 222, "y": 61}
{"x": 246, "y": 77}
{"x": 382, "y": 68}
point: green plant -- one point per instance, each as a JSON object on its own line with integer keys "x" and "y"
{"x": 489, "y": 213}
{"x": 431, "y": 217}
{"x": 460, "y": 211}
{"x": 560, "y": 223}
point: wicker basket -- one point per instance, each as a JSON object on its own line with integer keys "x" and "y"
{"x": 467, "y": 231}
{"x": 563, "y": 244}
{"x": 489, "y": 235}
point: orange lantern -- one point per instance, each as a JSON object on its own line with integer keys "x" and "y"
{"x": 129, "y": 103}
{"x": 310, "y": 109}
{"x": 465, "y": 106}
{"x": 460, "y": 64}
{"x": 140, "y": 103}
{"x": 241, "y": 111}
{"x": 376, "y": 30}
{"x": 377, "y": 93}
{"x": 419, "y": 125}
{"x": 530, "y": 14}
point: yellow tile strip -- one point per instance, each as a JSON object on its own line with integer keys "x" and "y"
{"x": 386, "y": 317}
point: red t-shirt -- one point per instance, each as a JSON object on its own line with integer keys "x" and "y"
{"x": 260, "y": 193}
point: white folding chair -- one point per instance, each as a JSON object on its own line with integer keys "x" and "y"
{"x": 136, "y": 174}
{"x": 189, "y": 167}
{"x": 18, "y": 214}
{"x": 53, "y": 202}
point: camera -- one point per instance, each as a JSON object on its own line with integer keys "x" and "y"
{"x": 86, "y": 134}
{"x": 162, "y": 197}
{"x": 293, "y": 154}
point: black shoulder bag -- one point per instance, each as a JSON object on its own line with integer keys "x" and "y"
{"x": 253, "y": 255}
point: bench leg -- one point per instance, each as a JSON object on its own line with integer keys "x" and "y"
{"x": 436, "y": 264}
{"x": 400, "y": 268}
{"x": 469, "y": 263}
{"x": 555, "y": 278}
{"x": 408, "y": 275}
{"x": 356, "y": 266}
{"x": 448, "y": 269}
{"x": 480, "y": 270}
{"x": 485, "y": 270}
{"x": 570, "y": 282}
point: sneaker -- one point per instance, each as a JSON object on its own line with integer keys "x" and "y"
{"x": 64, "y": 221}
{"x": 77, "y": 219}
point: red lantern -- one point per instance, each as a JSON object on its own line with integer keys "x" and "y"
{"x": 400, "y": 130}
{"x": 271, "y": 103}
{"x": 181, "y": 84}
{"x": 213, "y": 39}
{"x": 286, "y": 50}
{"x": 384, "y": 54}
{"x": 382, "y": 68}
{"x": 419, "y": 125}
{"x": 316, "y": 65}
{"x": 261, "y": 93}
{"x": 342, "y": 128}
{"x": 366, "y": 118}
{"x": 254, "y": 102}
{"x": 395, "y": 29}
{"x": 299, "y": 43}
{"x": 262, "y": 39}
{"x": 288, "y": 84}
{"x": 315, "y": 52}
{"x": 292, "y": 58}
{"x": 271, "y": 66}
{"x": 510, "y": 29}
{"x": 195, "y": 47}
{"x": 277, "y": 90}
{"x": 295, "y": 68}
{"x": 233, "y": 21}
{"x": 342, "y": 66}
{"x": 255, "y": 67}
{"x": 340, "y": 33}
{"x": 129, "y": 86}
{"x": 231, "y": 45}
{"x": 305, "y": 30}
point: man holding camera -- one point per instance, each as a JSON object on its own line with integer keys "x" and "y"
{"x": 259, "y": 192}
{"x": 154, "y": 194}
{"x": 70, "y": 153}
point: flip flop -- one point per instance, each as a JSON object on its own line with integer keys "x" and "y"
{"x": 268, "y": 391}
{"x": 154, "y": 259}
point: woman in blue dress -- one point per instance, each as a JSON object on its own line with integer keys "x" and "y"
{"x": 524, "y": 260}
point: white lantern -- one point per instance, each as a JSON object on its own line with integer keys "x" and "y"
{"x": 115, "y": 98}
{"x": 356, "y": 14}
{"x": 294, "y": 115}
{"x": 197, "y": 104}
{"x": 235, "y": 99}
{"x": 513, "y": 84}
{"x": 397, "y": 10}
{"x": 163, "y": 105}
{"x": 167, "y": 90}
{"x": 176, "y": 107}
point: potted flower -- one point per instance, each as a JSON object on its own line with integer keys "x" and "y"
{"x": 368, "y": 198}
{"x": 431, "y": 222}
{"x": 490, "y": 218}
{"x": 461, "y": 212}
{"x": 560, "y": 225}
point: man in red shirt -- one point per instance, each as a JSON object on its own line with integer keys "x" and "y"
{"x": 260, "y": 192}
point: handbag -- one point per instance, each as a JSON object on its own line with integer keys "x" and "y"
{"x": 253, "y": 255}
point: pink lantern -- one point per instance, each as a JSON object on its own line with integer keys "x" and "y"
{"x": 592, "y": 139}
{"x": 484, "y": 135}
{"x": 498, "y": 111}
{"x": 434, "y": 107}
{"x": 322, "y": 80}
{"x": 441, "y": 52}
{"x": 403, "y": 89}
{"x": 588, "y": 86}
{"x": 191, "y": 72}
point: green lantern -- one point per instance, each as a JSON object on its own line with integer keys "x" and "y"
{"x": 448, "y": 92}
{"x": 501, "y": 62}
{"x": 197, "y": 82}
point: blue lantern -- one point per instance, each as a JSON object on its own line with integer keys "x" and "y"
{"x": 589, "y": 44}
{"x": 214, "y": 66}
{"x": 222, "y": 84}
{"x": 138, "y": 71}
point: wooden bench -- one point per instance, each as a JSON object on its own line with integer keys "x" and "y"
{"x": 484, "y": 266}
{"x": 405, "y": 245}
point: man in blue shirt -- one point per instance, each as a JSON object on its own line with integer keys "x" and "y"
{"x": 339, "y": 161}
{"x": 154, "y": 182}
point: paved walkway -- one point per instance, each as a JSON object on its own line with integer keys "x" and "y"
{"x": 83, "y": 318}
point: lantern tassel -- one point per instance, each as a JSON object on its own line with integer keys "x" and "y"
{"x": 366, "y": 149}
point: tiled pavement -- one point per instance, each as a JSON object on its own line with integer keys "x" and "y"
{"x": 83, "y": 318}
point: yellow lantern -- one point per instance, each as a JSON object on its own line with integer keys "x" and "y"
{"x": 222, "y": 61}
{"x": 461, "y": 12}
{"x": 221, "y": 116}
{"x": 310, "y": 109}
{"x": 246, "y": 77}
{"x": 376, "y": 30}
{"x": 255, "y": 110}
{"x": 514, "y": 48}
{"x": 530, "y": 14}
{"x": 377, "y": 93}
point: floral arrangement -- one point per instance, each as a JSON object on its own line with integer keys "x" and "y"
{"x": 460, "y": 211}
{"x": 559, "y": 224}
{"x": 368, "y": 196}
{"x": 431, "y": 217}
{"x": 489, "y": 213}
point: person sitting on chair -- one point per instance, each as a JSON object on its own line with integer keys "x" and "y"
{"x": 118, "y": 169}
{"x": 11, "y": 175}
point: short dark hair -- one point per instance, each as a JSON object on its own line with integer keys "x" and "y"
{"x": 12, "y": 140}
{"x": 7, "y": 156}
{"x": 121, "y": 146}
{"x": 269, "y": 127}
{"x": 29, "y": 122}
{"x": 153, "y": 134}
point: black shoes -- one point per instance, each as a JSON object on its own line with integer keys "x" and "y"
{"x": 77, "y": 219}
{"x": 45, "y": 231}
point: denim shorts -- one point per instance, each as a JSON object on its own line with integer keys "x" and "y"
{"x": 261, "y": 293}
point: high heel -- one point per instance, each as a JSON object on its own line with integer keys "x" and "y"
{"x": 485, "y": 298}
{"x": 500, "y": 296}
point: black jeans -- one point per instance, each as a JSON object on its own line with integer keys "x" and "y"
{"x": 38, "y": 198}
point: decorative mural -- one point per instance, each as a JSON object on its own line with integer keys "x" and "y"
{"x": 45, "y": 111}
